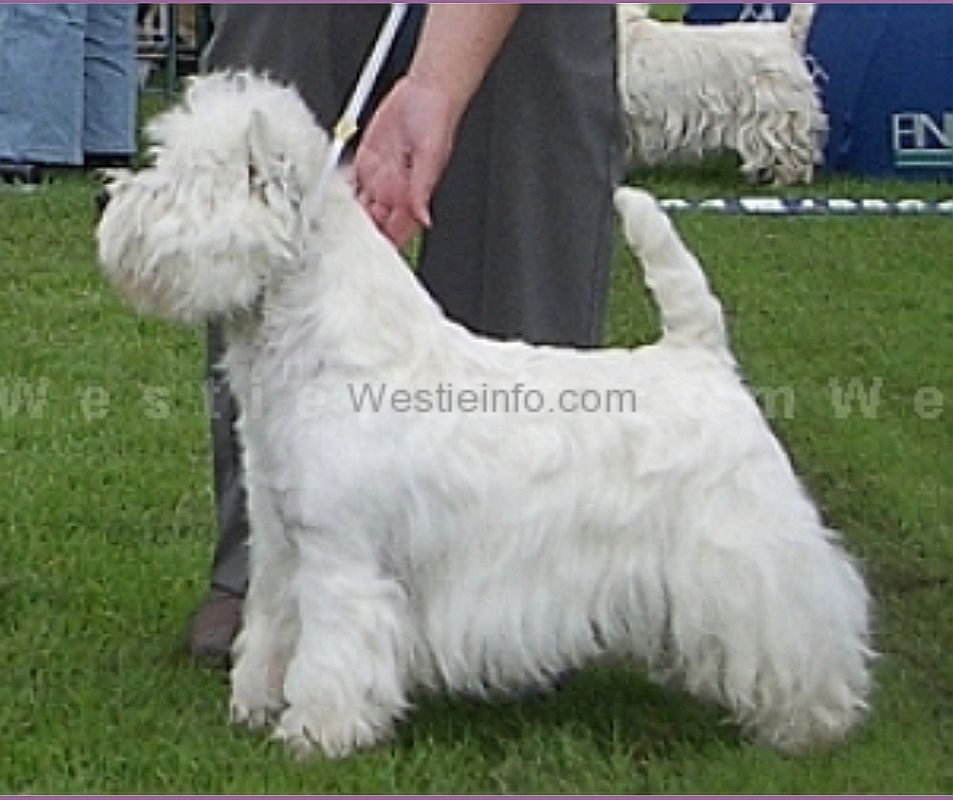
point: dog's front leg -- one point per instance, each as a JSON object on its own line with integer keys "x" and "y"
{"x": 270, "y": 626}
{"x": 345, "y": 684}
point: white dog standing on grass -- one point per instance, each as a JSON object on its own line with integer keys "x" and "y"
{"x": 483, "y": 549}
{"x": 691, "y": 90}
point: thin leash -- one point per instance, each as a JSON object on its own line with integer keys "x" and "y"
{"x": 347, "y": 124}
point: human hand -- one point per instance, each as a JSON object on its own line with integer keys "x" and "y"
{"x": 402, "y": 156}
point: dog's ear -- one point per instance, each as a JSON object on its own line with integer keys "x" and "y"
{"x": 272, "y": 177}
{"x": 258, "y": 138}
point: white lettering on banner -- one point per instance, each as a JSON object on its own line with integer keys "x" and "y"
{"x": 919, "y": 140}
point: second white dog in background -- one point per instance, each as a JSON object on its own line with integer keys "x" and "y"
{"x": 689, "y": 90}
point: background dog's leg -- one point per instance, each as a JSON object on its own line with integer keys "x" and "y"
{"x": 270, "y": 626}
{"x": 345, "y": 685}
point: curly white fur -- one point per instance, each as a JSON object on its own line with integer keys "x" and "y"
{"x": 688, "y": 90}
{"x": 486, "y": 550}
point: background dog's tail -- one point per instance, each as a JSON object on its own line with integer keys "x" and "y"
{"x": 632, "y": 12}
{"x": 691, "y": 314}
{"x": 799, "y": 24}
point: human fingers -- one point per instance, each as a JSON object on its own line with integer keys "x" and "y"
{"x": 379, "y": 190}
{"x": 400, "y": 226}
{"x": 426, "y": 169}
{"x": 387, "y": 207}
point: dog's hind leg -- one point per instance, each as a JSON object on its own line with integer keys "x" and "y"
{"x": 345, "y": 684}
{"x": 769, "y": 618}
{"x": 270, "y": 626}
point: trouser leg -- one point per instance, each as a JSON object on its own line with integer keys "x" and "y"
{"x": 109, "y": 120}
{"x": 230, "y": 563}
{"x": 522, "y": 239}
{"x": 41, "y": 82}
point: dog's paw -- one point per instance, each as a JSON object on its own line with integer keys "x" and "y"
{"x": 257, "y": 698}
{"x": 254, "y": 716}
{"x": 253, "y": 702}
{"x": 302, "y": 732}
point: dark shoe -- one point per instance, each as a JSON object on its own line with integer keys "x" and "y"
{"x": 20, "y": 172}
{"x": 214, "y": 627}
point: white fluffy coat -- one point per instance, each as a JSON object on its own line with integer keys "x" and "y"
{"x": 474, "y": 551}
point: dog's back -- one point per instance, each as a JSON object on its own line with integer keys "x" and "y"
{"x": 630, "y": 16}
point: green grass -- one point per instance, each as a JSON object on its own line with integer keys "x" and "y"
{"x": 106, "y": 529}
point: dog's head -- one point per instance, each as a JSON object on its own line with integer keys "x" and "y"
{"x": 217, "y": 216}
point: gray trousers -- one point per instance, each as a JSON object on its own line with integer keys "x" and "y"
{"x": 523, "y": 228}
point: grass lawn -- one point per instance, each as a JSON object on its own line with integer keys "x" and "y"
{"x": 843, "y": 326}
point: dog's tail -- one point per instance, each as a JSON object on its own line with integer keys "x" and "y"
{"x": 799, "y": 24}
{"x": 691, "y": 314}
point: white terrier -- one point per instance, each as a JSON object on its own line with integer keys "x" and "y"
{"x": 408, "y": 545}
{"x": 688, "y": 90}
